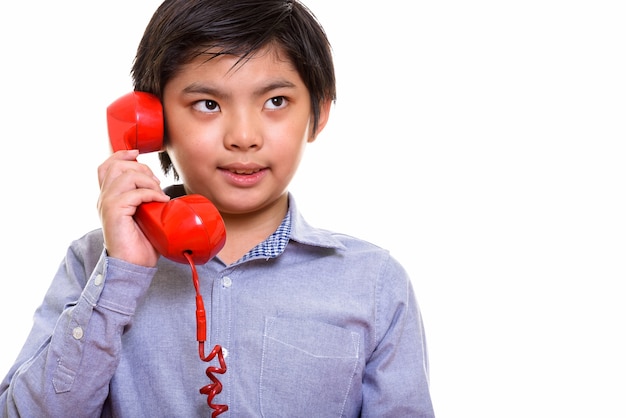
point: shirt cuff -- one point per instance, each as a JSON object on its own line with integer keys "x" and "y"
{"x": 122, "y": 284}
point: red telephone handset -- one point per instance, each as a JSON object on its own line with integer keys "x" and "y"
{"x": 188, "y": 224}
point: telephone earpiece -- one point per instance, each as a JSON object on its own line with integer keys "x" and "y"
{"x": 135, "y": 121}
{"x": 189, "y": 224}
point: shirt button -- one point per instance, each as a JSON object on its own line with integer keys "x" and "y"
{"x": 98, "y": 280}
{"x": 77, "y": 333}
{"x": 227, "y": 282}
{"x": 224, "y": 352}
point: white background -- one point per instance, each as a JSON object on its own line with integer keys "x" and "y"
{"x": 481, "y": 142}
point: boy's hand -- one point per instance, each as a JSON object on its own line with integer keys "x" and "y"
{"x": 124, "y": 185}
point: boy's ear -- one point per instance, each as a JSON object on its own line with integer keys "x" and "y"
{"x": 321, "y": 123}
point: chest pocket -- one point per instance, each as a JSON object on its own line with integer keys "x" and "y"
{"x": 308, "y": 368}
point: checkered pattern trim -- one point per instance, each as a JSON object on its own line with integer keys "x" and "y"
{"x": 274, "y": 245}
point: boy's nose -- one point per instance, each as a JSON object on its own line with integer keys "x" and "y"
{"x": 243, "y": 133}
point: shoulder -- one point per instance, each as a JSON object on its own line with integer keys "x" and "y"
{"x": 87, "y": 249}
{"x": 371, "y": 256}
{"x": 355, "y": 244}
{"x": 91, "y": 241}
{"x": 352, "y": 249}
{"x": 354, "y": 256}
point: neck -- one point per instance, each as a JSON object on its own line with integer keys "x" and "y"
{"x": 245, "y": 231}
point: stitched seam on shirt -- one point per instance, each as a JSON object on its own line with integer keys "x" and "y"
{"x": 356, "y": 340}
{"x": 63, "y": 378}
{"x": 377, "y": 298}
{"x": 67, "y": 366}
{"x": 268, "y": 323}
{"x": 308, "y": 352}
{"x": 114, "y": 307}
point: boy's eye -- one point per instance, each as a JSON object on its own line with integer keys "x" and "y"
{"x": 276, "y": 102}
{"x": 207, "y": 106}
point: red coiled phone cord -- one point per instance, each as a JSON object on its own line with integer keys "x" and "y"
{"x": 212, "y": 389}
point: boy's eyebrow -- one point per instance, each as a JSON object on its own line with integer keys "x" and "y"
{"x": 199, "y": 88}
{"x": 277, "y": 84}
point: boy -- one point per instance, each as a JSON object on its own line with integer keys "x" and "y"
{"x": 305, "y": 322}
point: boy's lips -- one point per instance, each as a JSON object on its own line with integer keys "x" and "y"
{"x": 243, "y": 175}
{"x": 242, "y": 168}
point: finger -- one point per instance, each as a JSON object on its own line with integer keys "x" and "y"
{"x": 114, "y": 167}
{"x": 146, "y": 186}
{"x": 112, "y": 204}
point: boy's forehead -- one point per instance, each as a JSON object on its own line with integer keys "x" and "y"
{"x": 262, "y": 66}
{"x": 242, "y": 55}
{"x": 228, "y": 63}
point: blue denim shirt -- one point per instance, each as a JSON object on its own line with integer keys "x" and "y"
{"x": 327, "y": 326}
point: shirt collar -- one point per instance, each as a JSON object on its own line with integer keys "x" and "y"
{"x": 293, "y": 227}
{"x": 304, "y": 233}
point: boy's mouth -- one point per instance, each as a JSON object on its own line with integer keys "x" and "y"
{"x": 245, "y": 171}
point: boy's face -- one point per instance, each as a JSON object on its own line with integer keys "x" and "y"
{"x": 237, "y": 134}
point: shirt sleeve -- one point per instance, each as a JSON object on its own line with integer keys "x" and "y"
{"x": 72, "y": 351}
{"x": 396, "y": 381}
